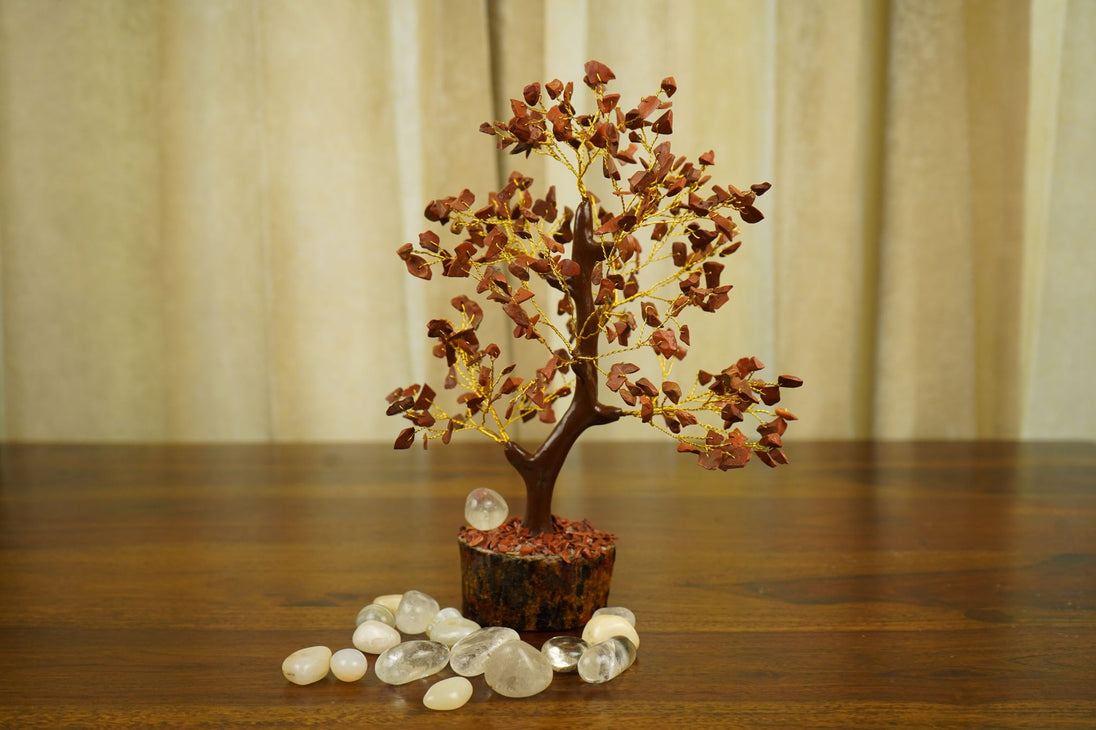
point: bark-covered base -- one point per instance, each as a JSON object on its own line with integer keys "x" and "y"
{"x": 535, "y": 591}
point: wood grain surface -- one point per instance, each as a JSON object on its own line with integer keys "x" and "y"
{"x": 865, "y": 585}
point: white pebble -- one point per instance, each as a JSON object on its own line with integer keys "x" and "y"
{"x": 349, "y": 665}
{"x": 606, "y": 626}
{"x": 470, "y": 653}
{"x": 374, "y": 637}
{"x": 606, "y": 660}
{"x": 411, "y": 660}
{"x": 306, "y": 666}
{"x": 376, "y": 612}
{"x": 448, "y": 694}
{"x": 391, "y": 601}
{"x": 415, "y": 613}
{"x": 517, "y": 669}
{"x": 485, "y": 509}
{"x": 450, "y": 631}
{"x": 563, "y": 652}
{"x": 625, "y": 613}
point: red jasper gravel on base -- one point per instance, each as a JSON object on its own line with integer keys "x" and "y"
{"x": 569, "y": 539}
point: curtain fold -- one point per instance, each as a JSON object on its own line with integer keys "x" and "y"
{"x": 200, "y": 203}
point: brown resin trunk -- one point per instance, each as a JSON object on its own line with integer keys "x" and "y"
{"x": 547, "y": 592}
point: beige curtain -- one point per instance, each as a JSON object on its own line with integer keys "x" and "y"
{"x": 200, "y": 202}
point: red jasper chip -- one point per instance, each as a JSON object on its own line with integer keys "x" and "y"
{"x": 669, "y": 86}
{"x": 789, "y": 381}
{"x": 708, "y": 158}
{"x": 597, "y": 73}
{"x": 405, "y": 439}
{"x": 672, "y": 390}
{"x": 532, "y": 93}
{"x": 665, "y": 123}
{"x": 554, "y": 88}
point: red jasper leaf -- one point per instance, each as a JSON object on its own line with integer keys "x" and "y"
{"x": 786, "y": 414}
{"x": 597, "y": 73}
{"x": 405, "y": 439}
{"x": 665, "y": 123}
{"x": 429, "y": 240}
{"x": 492, "y": 350}
{"x": 686, "y": 418}
{"x": 417, "y": 267}
{"x": 647, "y": 105}
{"x": 672, "y": 390}
{"x": 649, "y": 312}
{"x": 761, "y": 188}
{"x": 659, "y": 231}
{"x": 683, "y": 334}
{"x": 664, "y": 342}
{"x": 515, "y": 312}
{"x": 669, "y": 86}
{"x": 608, "y": 102}
{"x": 647, "y": 387}
{"x": 646, "y": 409}
{"x": 510, "y": 384}
{"x": 680, "y": 254}
{"x": 770, "y": 395}
{"x": 523, "y": 294}
{"x": 708, "y": 158}
{"x": 554, "y": 88}
{"x": 751, "y": 214}
{"x": 789, "y": 381}
{"x": 532, "y": 93}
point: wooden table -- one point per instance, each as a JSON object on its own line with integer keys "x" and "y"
{"x": 865, "y": 585}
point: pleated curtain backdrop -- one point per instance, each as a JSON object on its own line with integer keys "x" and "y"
{"x": 200, "y": 203}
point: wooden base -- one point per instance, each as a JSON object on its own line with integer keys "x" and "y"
{"x": 533, "y": 592}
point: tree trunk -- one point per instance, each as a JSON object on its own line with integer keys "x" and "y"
{"x": 539, "y": 469}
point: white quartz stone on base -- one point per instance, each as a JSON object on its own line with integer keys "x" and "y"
{"x": 517, "y": 669}
{"x": 563, "y": 652}
{"x": 450, "y": 631}
{"x": 306, "y": 666}
{"x": 448, "y": 694}
{"x": 349, "y": 665}
{"x": 485, "y": 509}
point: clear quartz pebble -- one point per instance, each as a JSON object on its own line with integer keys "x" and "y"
{"x": 374, "y": 637}
{"x": 563, "y": 652}
{"x": 448, "y": 694}
{"x": 376, "y": 612}
{"x": 485, "y": 509}
{"x": 411, "y": 660}
{"x": 625, "y": 613}
{"x": 444, "y": 614}
{"x": 450, "y": 631}
{"x": 605, "y": 626}
{"x": 349, "y": 665}
{"x": 415, "y": 613}
{"x": 391, "y": 601}
{"x": 606, "y": 660}
{"x": 306, "y": 666}
{"x": 468, "y": 655}
{"x": 517, "y": 669}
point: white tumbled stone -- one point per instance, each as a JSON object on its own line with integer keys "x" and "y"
{"x": 606, "y": 660}
{"x": 391, "y": 601}
{"x": 306, "y": 666}
{"x": 605, "y": 626}
{"x": 376, "y": 612}
{"x": 448, "y": 694}
{"x": 411, "y": 660}
{"x": 563, "y": 652}
{"x": 450, "y": 631}
{"x": 625, "y": 613}
{"x": 485, "y": 509}
{"x": 415, "y": 612}
{"x": 349, "y": 665}
{"x": 374, "y": 637}
{"x": 517, "y": 669}
{"x": 468, "y": 655}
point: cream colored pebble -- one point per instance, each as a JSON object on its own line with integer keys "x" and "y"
{"x": 606, "y": 626}
{"x": 306, "y": 666}
{"x": 391, "y": 601}
{"x": 448, "y": 694}
{"x": 349, "y": 665}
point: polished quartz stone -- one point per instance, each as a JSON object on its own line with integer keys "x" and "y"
{"x": 624, "y": 613}
{"x": 606, "y": 660}
{"x": 517, "y": 669}
{"x": 602, "y": 627}
{"x": 376, "y": 612}
{"x": 448, "y": 694}
{"x": 415, "y": 612}
{"x": 469, "y": 654}
{"x": 306, "y": 666}
{"x": 485, "y": 509}
{"x": 411, "y": 660}
{"x": 563, "y": 652}
{"x": 450, "y": 631}
{"x": 349, "y": 665}
{"x": 391, "y": 601}
{"x": 374, "y": 637}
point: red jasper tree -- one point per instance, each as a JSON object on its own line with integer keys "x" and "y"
{"x": 614, "y": 290}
